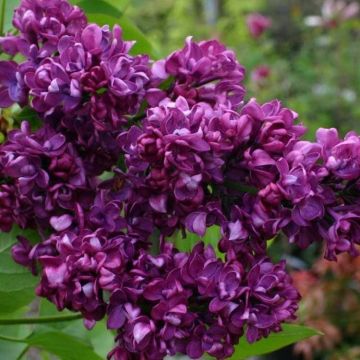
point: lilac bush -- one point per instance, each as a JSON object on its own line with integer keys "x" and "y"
{"x": 183, "y": 150}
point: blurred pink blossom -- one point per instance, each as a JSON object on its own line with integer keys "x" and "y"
{"x": 257, "y": 24}
{"x": 334, "y": 12}
{"x": 260, "y": 74}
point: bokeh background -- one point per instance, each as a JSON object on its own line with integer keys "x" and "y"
{"x": 306, "y": 53}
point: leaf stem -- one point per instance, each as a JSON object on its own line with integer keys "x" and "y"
{"x": 40, "y": 320}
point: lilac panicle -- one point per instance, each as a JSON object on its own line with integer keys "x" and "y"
{"x": 132, "y": 150}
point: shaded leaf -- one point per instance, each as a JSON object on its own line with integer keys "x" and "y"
{"x": 17, "y": 284}
{"x": 64, "y": 346}
{"x": 132, "y": 32}
{"x": 29, "y": 114}
{"x": 99, "y": 7}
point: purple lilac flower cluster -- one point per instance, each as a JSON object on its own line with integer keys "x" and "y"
{"x": 182, "y": 151}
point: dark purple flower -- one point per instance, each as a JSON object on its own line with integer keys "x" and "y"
{"x": 7, "y": 207}
{"x": 44, "y": 22}
{"x": 51, "y": 87}
{"x": 273, "y": 299}
{"x": 73, "y": 277}
{"x": 47, "y": 173}
{"x": 342, "y": 157}
{"x": 204, "y": 71}
{"x": 343, "y": 235}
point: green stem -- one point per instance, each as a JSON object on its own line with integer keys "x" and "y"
{"x": 40, "y": 320}
{"x": 2, "y": 16}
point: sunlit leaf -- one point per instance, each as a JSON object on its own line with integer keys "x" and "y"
{"x": 290, "y": 335}
{"x": 104, "y": 12}
{"x": 100, "y": 5}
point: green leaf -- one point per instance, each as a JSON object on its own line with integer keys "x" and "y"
{"x": 101, "y": 339}
{"x": 13, "y": 351}
{"x": 104, "y": 12}
{"x": 99, "y": 7}
{"x": 132, "y": 32}
{"x": 96, "y": 5}
{"x": 10, "y": 6}
{"x": 64, "y": 346}
{"x": 211, "y": 237}
{"x": 16, "y": 282}
{"x": 290, "y": 335}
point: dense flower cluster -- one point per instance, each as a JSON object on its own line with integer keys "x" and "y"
{"x": 196, "y": 303}
{"x": 131, "y": 151}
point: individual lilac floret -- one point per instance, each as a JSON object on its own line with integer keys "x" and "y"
{"x": 51, "y": 86}
{"x": 12, "y": 87}
{"x": 204, "y": 71}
